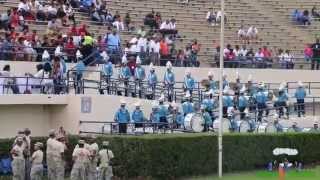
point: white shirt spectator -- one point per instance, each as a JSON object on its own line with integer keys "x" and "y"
{"x": 226, "y": 51}
{"x": 288, "y": 57}
{"x": 119, "y": 25}
{"x": 252, "y": 31}
{"x": 242, "y": 32}
{"x": 142, "y": 44}
{"x": 23, "y": 6}
{"x": 52, "y": 10}
{"x": 172, "y": 25}
{"x": 154, "y": 46}
{"x": 243, "y": 52}
{"x": 258, "y": 56}
{"x": 165, "y": 25}
{"x": 237, "y": 52}
{"x": 134, "y": 48}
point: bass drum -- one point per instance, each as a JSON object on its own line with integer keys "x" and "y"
{"x": 262, "y": 128}
{"x": 194, "y": 122}
{"x": 226, "y": 125}
{"x": 271, "y": 128}
{"x": 244, "y": 127}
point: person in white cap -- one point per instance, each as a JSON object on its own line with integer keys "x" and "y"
{"x": 189, "y": 83}
{"x": 208, "y": 122}
{"x": 50, "y": 155}
{"x": 108, "y": 72}
{"x": 137, "y": 115}
{"x": 187, "y": 105}
{"x": 212, "y": 82}
{"x": 163, "y": 112}
{"x": 154, "y": 115}
{"x": 208, "y": 103}
{"x": 227, "y": 101}
{"x": 315, "y": 128}
{"x": 93, "y": 148}
{"x": 37, "y": 162}
{"x": 152, "y": 80}
{"x": 122, "y": 117}
{"x": 80, "y": 157}
{"x": 58, "y": 157}
{"x": 125, "y": 73}
{"x": 242, "y": 102}
{"x": 260, "y": 98}
{"x": 105, "y": 157}
{"x": 252, "y": 88}
{"x": 225, "y": 81}
{"x": 276, "y": 123}
{"x": 281, "y": 102}
{"x": 79, "y": 55}
{"x": 169, "y": 80}
{"x": 139, "y": 75}
{"x": 80, "y": 68}
{"x": 45, "y": 56}
{"x": 238, "y": 85}
{"x": 18, "y": 162}
{"x": 177, "y": 117}
{"x": 300, "y": 95}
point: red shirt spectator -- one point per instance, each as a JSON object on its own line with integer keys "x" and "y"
{"x": 74, "y": 31}
{"x": 231, "y": 56}
{"x": 83, "y": 30}
{"x": 266, "y": 53}
{"x": 70, "y": 48}
{"x": 164, "y": 49}
{"x": 14, "y": 19}
{"x": 308, "y": 51}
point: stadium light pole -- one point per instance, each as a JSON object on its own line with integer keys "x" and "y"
{"x": 221, "y": 89}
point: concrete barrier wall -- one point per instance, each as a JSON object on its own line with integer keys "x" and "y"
{"x": 16, "y": 113}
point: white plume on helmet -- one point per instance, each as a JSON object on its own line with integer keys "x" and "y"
{"x": 138, "y": 60}
{"x": 45, "y": 55}
{"x": 124, "y": 59}
{"x": 104, "y": 56}
{"x": 79, "y": 54}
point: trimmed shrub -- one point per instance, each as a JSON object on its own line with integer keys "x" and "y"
{"x": 173, "y": 156}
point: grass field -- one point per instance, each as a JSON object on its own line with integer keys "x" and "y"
{"x": 308, "y": 174}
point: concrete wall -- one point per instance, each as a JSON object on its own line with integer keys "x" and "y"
{"x": 17, "y": 113}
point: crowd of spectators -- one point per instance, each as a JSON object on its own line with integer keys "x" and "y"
{"x": 264, "y": 57}
{"x": 214, "y": 18}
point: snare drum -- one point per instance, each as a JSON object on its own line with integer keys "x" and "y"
{"x": 262, "y": 128}
{"x": 244, "y": 127}
{"x": 271, "y": 128}
{"x": 226, "y": 125}
{"x": 194, "y": 122}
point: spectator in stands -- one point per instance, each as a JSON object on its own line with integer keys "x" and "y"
{"x": 315, "y": 14}
{"x": 127, "y": 21}
{"x": 252, "y": 34}
{"x": 281, "y": 59}
{"x": 296, "y": 15}
{"x": 154, "y": 50}
{"x": 118, "y": 24}
{"x": 289, "y": 59}
{"x": 168, "y": 27}
{"x": 259, "y": 59}
{"x": 141, "y": 46}
{"x": 24, "y": 8}
{"x": 164, "y": 52}
{"x": 308, "y": 53}
{"x": 5, "y": 20}
{"x": 316, "y": 55}
{"x": 113, "y": 42}
{"x": 85, "y": 5}
{"x": 243, "y": 60}
{"x": 242, "y": 34}
{"x": 180, "y": 60}
{"x": 195, "y": 48}
{"x": 40, "y": 12}
{"x": 51, "y": 11}
{"x": 305, "y": 19}
{"x": 57, "y": 75}
{"x": 219, "y": 15}
{"x": 211, "y": 17}
{"x": 158, "y": 20}
{"x": 142, "y": 32}
{"x": 267, "y": 56}
{"x": 149, "y": 20}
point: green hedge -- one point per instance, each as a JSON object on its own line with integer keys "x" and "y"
{"x": 172, "y": 156}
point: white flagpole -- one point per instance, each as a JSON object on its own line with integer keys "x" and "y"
{"x": 221, "y": 89}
